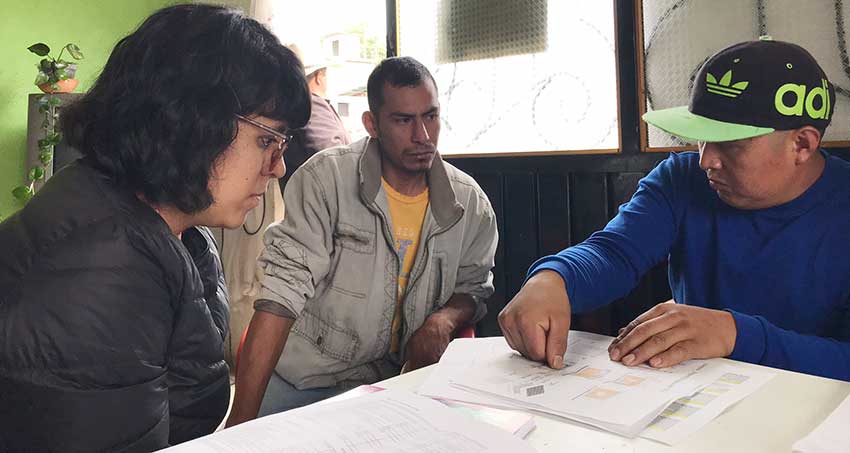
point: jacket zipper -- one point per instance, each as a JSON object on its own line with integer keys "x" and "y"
{"x": 415, "y": 278}
{"x": 389, "y": 238}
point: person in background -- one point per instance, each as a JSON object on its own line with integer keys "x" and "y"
{"x": 325, "y": 128}
{"x": 384, "y": 254}
{"x": 756, "y": 226}
{"x": 113, "y": 309}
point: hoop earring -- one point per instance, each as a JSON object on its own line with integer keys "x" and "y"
{"x": 262, "y": 220}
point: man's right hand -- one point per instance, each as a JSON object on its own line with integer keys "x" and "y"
{"x": 537, "y": 320}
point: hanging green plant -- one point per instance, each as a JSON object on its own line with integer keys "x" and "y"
{"x": 46, "y": 106}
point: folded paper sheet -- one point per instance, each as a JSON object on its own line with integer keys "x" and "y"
{"x": 832, "y": 435}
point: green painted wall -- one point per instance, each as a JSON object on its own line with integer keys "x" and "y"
{"x": 94, "y": 25}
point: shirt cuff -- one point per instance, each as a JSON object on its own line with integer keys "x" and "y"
{"x": 274, "y": 308}
{"x": 751, "y": 342}
{"x": 547, "y": 266}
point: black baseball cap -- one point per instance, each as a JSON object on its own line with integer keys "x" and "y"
{"x": 750, "y": 89}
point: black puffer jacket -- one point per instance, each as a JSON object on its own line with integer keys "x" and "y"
{"x": 111, "y": 328}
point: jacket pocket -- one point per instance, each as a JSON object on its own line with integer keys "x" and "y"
{"x": 437, "y": 280}
{"x": 331, "y": 340}
{"x": 354, "y": 249}
{"x": 350, "y": 237}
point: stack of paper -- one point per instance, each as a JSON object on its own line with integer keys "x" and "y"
{"x": 591, "y": 388}
{"x": 388, "y": 421}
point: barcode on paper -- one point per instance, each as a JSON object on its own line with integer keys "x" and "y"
{"x": 534, "y": 391}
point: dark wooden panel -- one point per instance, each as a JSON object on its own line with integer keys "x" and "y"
{"x": 521, "y": 228}
{"x": 553, "y": 213}
{"x": 623, "y": 186}
{"x": 618, "y": 163}
{"x": 588, "y": 204}
{"x": 489, "y": 326}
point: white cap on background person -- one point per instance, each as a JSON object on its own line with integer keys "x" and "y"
{"x": 311, "y": 61}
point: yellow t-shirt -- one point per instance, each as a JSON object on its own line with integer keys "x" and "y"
{"x": 406, "y": 214}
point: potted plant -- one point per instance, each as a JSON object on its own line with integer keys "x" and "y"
{"x": 55, "y": 75}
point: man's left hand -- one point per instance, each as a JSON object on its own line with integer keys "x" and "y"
{"x": 671, "y": 333}
{"x": 428, "y": 343}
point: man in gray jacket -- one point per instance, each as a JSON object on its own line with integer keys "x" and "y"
{"x": 385, "y": 252}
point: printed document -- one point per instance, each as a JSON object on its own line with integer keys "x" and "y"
{"x": 591, "y": 388}
{"x": 388, "y": 421}
{"x": 688, "y": 414}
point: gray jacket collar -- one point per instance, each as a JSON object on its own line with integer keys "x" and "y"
{"x": 444, "y": 205}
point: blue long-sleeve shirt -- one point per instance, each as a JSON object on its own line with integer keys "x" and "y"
{"x": 782, "y": 272}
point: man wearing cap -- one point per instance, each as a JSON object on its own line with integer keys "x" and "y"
{"x": 756, "y": 227}
{"x": 325, "y": 128}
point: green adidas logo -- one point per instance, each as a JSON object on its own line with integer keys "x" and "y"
{"x": 725, "y": 87}
{"x": 804, "y": 100}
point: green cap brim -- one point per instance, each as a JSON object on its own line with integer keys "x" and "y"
{"x": 682, "y": 123}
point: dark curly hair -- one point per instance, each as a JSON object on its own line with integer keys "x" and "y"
{"x": 162, "y": 111}
{"x": 398, "y": 72}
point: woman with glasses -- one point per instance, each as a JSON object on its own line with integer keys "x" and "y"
{"x": 113, "y": 309}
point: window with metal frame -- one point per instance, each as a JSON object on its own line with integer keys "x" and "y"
{"x": 518, "y": 78}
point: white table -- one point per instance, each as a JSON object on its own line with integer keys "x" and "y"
{"x": 783, "y": 411}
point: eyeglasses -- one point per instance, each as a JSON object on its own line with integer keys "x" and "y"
{"x": 281, "y": 140}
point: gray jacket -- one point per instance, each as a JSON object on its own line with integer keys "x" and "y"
{"x": 331, "y": 263}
